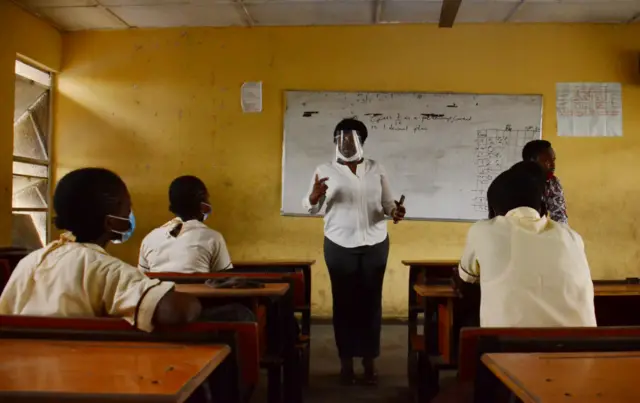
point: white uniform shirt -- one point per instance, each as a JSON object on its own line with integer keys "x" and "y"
{"x": 355, "y": 205}
{"x": 196, "y": 249}
{"x": 71, "y": 279}
{"x": 533, "y": 272}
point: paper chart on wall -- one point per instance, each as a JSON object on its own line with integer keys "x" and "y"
{"x": 251, "y": 97}
{"x": 589, "y": 109}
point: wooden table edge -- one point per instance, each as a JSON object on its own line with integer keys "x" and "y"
{"x": 513, "y": 384}
{"x": 192, "y": 384}
{"x": 444, "y": 262}
{"x": 280, "y": 293}
{"x": 265, "y": 263}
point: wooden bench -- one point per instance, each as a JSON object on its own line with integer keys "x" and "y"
{"x": 241, "y": 372}
{"x": 474, "y": 342}
{"x": 296, "y": 282}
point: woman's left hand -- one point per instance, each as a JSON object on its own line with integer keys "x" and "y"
{"x": 398, "y": 213}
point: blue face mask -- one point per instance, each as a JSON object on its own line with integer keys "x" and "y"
{"x": 125, "y": 235}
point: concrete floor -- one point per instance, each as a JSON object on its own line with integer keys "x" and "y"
{"x": 324, "y": 386}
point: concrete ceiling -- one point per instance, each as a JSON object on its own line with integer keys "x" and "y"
{"x": 76, "y": 15}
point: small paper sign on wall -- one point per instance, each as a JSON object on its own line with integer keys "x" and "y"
{"x": 251, "y": 97}
{"x": 589, "y": 109}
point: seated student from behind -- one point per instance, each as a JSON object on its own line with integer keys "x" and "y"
{"x": 185, "y": 244}
{"x": 76, "y": 277}
{"x": 533, "y": 272}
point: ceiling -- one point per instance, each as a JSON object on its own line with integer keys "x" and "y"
{"x": 76, "y": 15}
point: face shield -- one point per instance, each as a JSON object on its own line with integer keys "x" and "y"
{"x": 348, "y": 146}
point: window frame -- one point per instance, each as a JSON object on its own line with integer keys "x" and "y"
{"x": 33, "y": 161}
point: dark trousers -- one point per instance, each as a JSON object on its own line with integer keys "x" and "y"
{"x": 356, "y": 283}
{"x": 227, "y": 313}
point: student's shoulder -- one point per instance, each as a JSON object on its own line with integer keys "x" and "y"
{"x": 204, "y": 231}
{"x": 156, "y": 233}
{"x": 567, "y": 231}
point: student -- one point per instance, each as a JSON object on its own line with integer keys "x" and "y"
{"x": 540, "y": 151}
{"x": 185, "y": 244}
{"x": 533, "y": 272}
{"x": 76, "y": 277}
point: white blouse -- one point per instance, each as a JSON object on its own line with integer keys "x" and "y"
{"x": 355, "y": 205}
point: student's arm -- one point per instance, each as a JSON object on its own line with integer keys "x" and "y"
{"x": 469, "y": 268}
{"x": 143, "y": 264}
{"x": 176, "y": 308}
{"x": 220, "y": 259}
{"x": 126, "y": 293}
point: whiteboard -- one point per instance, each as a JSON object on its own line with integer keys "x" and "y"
{"x": 441, "y": 150}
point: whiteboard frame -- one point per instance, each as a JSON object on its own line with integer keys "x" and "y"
{"x": 431, "y": 219}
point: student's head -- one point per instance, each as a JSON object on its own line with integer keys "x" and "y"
{"x": 520, "y": 186}
{"x": 189, "y": 199}
{"x": 349, "y": 136}
{"x": 94, "y": 205}
{"x": 540, "y": 151}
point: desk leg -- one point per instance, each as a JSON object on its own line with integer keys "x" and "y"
{"x": 274, "y": 351}
{"x": 291, "y": 365}
{"x": 427, "y": 378}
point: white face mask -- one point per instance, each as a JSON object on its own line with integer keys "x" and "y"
{"x": 348, "y": 146}
{"x": 206, "y": 215}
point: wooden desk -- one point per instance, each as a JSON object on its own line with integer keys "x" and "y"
{"x": 569, "y": 377}
{"x": 64, "y": 371}
{"x": 613, "y": 290}
{"x": 274, "y": 263}
{"x": 204, "y": 291}
{"x": 437, "y": 290}
{"x": 599, "y": 290}
{"x": 281, "y": 337}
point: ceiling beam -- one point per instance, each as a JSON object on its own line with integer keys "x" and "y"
{"x": 514, "y": 10}
{"x": 377, "y": 16}
{"x": 448, "y": 13}
{"x": 248, "y": 19}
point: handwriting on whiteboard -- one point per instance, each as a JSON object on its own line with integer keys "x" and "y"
{"x": 408, "y": 122}
{"x": 495, "y": 148}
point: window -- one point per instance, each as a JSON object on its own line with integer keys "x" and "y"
{"x": 31, "y": 170}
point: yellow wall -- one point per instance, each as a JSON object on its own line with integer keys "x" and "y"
{"x": 155, "y": 104}
{"x": 24, "y": 36}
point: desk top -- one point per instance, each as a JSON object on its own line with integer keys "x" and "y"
{"x": 600, "y": 290}
{"x": 104, "y": 371}
{"x": 266, "y": 263}
{"x": 569, "y": 377}
{"x": 603, "y": 290}
{"x": 435, "y": 290}
{"x": 428, "y": 263}
{"x": 204, "y": 291}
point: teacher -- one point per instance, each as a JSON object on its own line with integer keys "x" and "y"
{"x": 356, "y": 196}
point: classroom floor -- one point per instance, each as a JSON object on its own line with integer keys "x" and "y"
{"x": 324, "y": 386}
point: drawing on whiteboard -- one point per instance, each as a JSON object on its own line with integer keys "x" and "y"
{"x": 495, "y": 151}
{"x": 428, "y": 144}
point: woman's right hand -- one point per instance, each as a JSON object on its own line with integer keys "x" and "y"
{"x": 319, "y": 190}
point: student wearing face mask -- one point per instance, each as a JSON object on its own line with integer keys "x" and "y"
{"x": 185, "y": 244}
{"x": 355, "y": 196}
{"x": 76, "y": 277}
